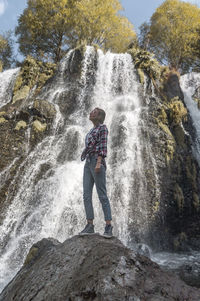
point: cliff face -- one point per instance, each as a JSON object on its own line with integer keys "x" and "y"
{"x": 92, "y": 268}
{"x": 153, "y": 178}
{"x": 178, "y": 208}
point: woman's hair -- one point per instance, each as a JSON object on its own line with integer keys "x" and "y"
{"x": 101, "y": 115}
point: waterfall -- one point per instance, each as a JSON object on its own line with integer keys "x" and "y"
{"x": 53, "y": 206}
{"x": 189, "y": 83}
{"x": 7, "y": 79}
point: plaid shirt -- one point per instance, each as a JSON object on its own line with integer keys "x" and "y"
{"x": 96, "y": 143}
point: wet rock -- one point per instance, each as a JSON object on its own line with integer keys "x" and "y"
{"x": 172, "y": 87}
{"x": 93, "y": 268}
{"x": 190, "y": 274}
{"x": 44, "y": 108}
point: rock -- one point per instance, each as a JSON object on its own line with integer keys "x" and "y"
{"x": 39, "y": 126}
{"x": 92, "y": 268}
{"x": 190, "y": 273}
{"x": 172, "y": 87}
{"x": 45, "y": 108}
{"x": 2, "y": 120}
{"x": 20, "y": 124}
{"x": 21, "y": 94}
{"x": 2, "y": 113}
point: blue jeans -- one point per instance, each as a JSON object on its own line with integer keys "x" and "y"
{"x": 89, "y": 178}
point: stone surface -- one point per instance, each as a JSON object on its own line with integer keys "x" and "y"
{"x": 45, "y": 108}
{"x": 93, "y": 268}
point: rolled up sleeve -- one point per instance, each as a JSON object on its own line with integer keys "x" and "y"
{"x": 103, "y": 142}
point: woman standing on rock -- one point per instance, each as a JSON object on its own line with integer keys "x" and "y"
{"x": 95, "y": 172}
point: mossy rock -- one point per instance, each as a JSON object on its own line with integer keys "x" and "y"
{"x": 33, "y": 72}
{"x": 45, "y": 108}
{"x": 1, "y": 66}
{"x": 179, "y": 197}
{"x": 31, "y": 255}
{"x": 141, "y": 75}
{"x": 2, "y": 113}
{"x": 145, "y": 61}
{"x": 177, "y": 111}
{"x": 179, "y": 135}
{"x": 21, "y": 94}
{"x": 3, "y": 120}
{"x": 191, "y": 172}
{"x": 20, "y": 124}
{"x": 196, "y": 201}
{"x": 39, "y": 126}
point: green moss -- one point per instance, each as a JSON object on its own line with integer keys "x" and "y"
{"x": 179, "y": 135}
{"x": 31, "y": 255}
{"x": 179, "y": 197}
{"x": 156, "y": 206}
{"x": 2, "y": 120}
{"x": 21, "y": 94}
{"x": 1, "y": 66}
{"x": 177, "y": 111}
{"x": 2, "y": 113}
{"x": 179, "y": 241}
{"x": 141, "y": 75}
{"x": 20, "y": 124}
{"x": 145, "y": 61}
{"x": 38, "y": 126}
{"x": 196, "y": 201}
{"x": 33, "y": 72}
{"x": 191, "y": 172}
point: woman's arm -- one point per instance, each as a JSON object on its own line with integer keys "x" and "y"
{"x": 102, "y": 153}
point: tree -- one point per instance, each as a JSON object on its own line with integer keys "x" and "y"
{"x": 42, "y": 28}
{"x": 173, "y": 32}
{"x": 48, "y": 27}
{"x": 6, "y": 50}
{"x": 144, "y": 36}
{"x": 99, "y": 22}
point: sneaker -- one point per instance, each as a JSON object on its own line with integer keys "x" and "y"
{"x": 108, "y": 231}
{"x": 89, "y": 229}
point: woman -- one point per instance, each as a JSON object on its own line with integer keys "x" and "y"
{"x": 95, "y": 172}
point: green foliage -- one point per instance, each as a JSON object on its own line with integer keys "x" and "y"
{"x": 6, "y": 51}
{"x": 145, "y": 61}
{"x": 173, "y": 33}
{"x": 177, "y": 111}
{"x": 47, "y": 28}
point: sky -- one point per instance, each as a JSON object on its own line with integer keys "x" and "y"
{"x": 137, "y": 11}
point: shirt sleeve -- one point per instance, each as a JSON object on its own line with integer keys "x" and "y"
{"x": 103, "y": 141}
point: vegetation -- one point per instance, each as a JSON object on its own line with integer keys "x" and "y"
{"x": 6, "y": 51}
{"x": 47, "y": 28}
{"x": 172, "y": 33}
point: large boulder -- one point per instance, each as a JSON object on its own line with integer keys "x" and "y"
{"x": 93, "y": 268}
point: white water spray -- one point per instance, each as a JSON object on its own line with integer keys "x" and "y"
{"x": 189, "y": 83}
{"x": 53, "y": 206}
{"x": 7, "y": 79}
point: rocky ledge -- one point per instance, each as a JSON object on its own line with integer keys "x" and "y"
{"x": 93, "y": 268}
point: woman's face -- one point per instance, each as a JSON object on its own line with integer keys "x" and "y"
{"x": 94, "y": 114}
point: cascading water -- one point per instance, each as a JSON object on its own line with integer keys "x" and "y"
{"x": 53, "y": 206}
{"x": 7, "y": 79}
{"x": 189, "y": 83}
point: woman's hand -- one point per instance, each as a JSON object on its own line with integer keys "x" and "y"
{"x": 98, "y": 167}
